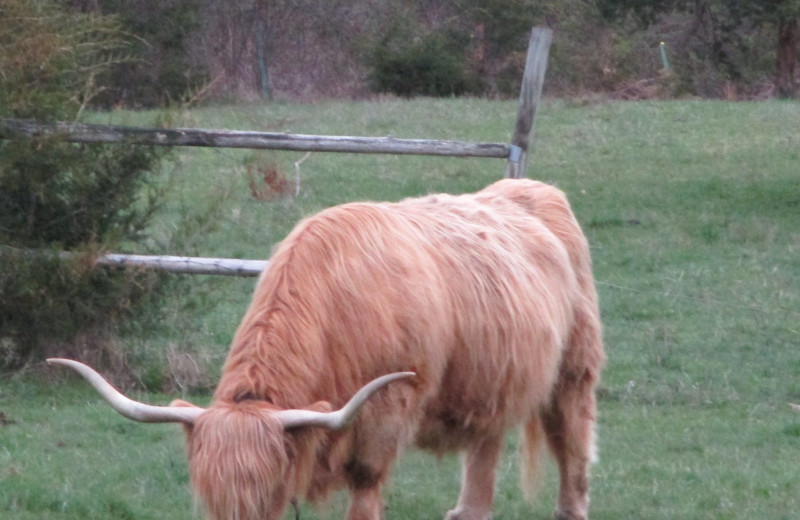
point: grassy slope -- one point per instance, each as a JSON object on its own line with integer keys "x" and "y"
{"x": 693, "y": 211}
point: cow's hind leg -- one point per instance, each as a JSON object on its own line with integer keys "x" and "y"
{"x": 569, "y": 425}
{"x": 477, "y": 484}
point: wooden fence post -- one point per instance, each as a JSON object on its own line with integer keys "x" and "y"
{"x": 530, "y": 92}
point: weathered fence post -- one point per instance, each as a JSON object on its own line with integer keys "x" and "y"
{"x": 531, "y": 90}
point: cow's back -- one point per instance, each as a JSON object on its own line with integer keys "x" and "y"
{"x": 472, "y": 292}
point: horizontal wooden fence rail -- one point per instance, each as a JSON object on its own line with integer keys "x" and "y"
{"x": 173, "y": 264}
{"x": 186, "y": 264}
{"x": 87, "y": 133}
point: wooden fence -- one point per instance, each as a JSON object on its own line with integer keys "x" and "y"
{"x": 85, "y": 133}
{"x": 515, "y": 153}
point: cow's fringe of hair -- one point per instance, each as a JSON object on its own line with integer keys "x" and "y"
{"x": 240, "y": 467}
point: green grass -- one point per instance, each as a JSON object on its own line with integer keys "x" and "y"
{"x": 692, "y": 209}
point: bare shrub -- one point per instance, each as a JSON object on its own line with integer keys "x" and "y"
{"x": 186, "y": 373}
{"x": 266, "y": 180}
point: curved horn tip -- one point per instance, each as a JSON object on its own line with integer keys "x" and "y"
{"x": 342, "y": 417}
{"x": 71, "y": 363}
{"x": 395, "y": 376}
{"x": 128, "y": 408}
{"x": 82, "y": 368}
{"x": 66, "y": 362}
{"x": 60, "y": 361}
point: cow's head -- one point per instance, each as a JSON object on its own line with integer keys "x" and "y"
{"x": 242, "y": 463}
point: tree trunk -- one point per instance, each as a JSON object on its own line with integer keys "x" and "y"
{"x": 788, "y": 48}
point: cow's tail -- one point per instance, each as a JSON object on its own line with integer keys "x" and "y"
{"x": 533, "y": 447}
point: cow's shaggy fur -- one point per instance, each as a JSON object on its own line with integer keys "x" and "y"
{"x": 488, "y": 297}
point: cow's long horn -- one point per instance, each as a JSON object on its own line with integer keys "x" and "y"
{"x": 342, "y": 417}
{"x": 129, "y": 408}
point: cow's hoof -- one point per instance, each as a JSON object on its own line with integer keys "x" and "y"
{"x": 456, "y": 514}
{"x": 567, "y": 515}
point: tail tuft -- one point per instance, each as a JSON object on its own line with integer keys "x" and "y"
{"x": 531, "y": 467}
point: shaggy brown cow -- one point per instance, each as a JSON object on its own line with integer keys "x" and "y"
{"x": 488, "y": 298}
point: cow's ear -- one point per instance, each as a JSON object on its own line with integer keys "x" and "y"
{"x": 342, "y": 417}
{"x": 180, "y": 403}
{"x": 321, "y": 406}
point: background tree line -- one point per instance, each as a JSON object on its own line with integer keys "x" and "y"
{"x": 305, "y": 49}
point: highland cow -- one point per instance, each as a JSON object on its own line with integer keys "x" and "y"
{"x": 487, "y": 298}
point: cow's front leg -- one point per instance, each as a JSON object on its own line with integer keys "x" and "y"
{"x": 477, "y": 484}
{"x": 366, "y": 504}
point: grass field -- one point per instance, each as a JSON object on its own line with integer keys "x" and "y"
{"x": 692, "y": 209}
